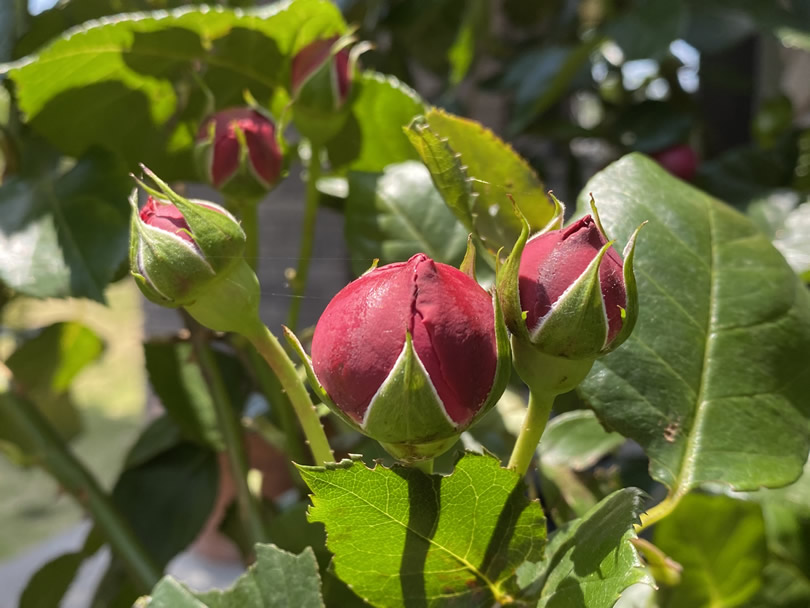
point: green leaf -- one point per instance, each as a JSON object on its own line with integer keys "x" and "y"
{"x": 141, "y": 97}
{"x": 590, "y": 561}
{"x": 495, "y": 171}
{"x": 720, "y": 542}
{"x": 401, "y": 537}
{"x": 397, "y": 213}
{"x": 278, "y": 579}
{"x": 178, "y": 382}
{"x": 44, "y": 367}
{"x": 168, "y": 498}
{"x": 64, "y": 233}
{"x": 647, "y": 29}
{"x": 577, "y": 439}
{"x": 372, "y": 137}
{"x": 540, "y": 77}
{"x": 711, "y": 382}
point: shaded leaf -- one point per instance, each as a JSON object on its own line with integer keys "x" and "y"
{"x": 179, "y": 383}
{"x": 577, "y": 440}
{"x": 64, "y": 233}
{"x": 710, "y": 383}
{"x": 395, "y": 214}
{"x": 372, "y": 137}
{"x": 43, "y": 368}
{"x": 278, "y": 579}
{"x": 406, "y": 524}
{"x": 590, "y": 561}
{"x": 720, "y": 542}
{"x": 647, "y": 29}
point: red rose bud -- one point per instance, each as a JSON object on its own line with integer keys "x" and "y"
{"x": 320, "y": 83}
{"x": 680, "y": 160}
{"x": 410, "y": 354}
{"x": 568, "y": 298}
{"x": 237, "y": 152}
{"x": 179, "y": 247}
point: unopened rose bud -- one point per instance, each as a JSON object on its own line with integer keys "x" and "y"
{"x": 237, "y": 152}
{"x": 680, "y": 160}
{"x": 320, "y": 82}
{"x": 190, "y": 253}
{"x": 411, "y": 354}
{"x": 568, "y": 298}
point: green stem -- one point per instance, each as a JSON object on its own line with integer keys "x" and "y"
{"x": 530, "y": 432}
{"x": 275, "y": 395}
{"x": 55, "y": 457}
{"x": 278, "y": 360}
{"x": 231, "y": 429}
{"x": 659, "y": 511}
{"x": 299, "y": 283}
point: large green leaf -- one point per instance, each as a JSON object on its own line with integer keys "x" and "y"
{"x": 712, "y": 381}
{"x": 372, "y": 137}
{"x": 64, "y": 233}
{"x": 720, "y": 542}
{"x": 131, "y": 84}
{"x": 397, "y": 213}
{"x": 278, "y": 579}
{"x": 476, "y": 173}
{"x": 402, "y": 538}
{"x": 590, "y": 561}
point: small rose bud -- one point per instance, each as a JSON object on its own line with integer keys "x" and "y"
{"x": 568, "y": 298}
{"x": 411, "y": 354}
{"x": 551, "y": 266}
{"x": 320, "y": 82}
{"x": 680, "y": 160}
{"x": 237, "y": 152}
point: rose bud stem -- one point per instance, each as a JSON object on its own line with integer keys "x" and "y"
{"x": 59, "y": 461}
{"x": 270, "y": 348}
{"x": 231, "y": 428}
{"x": 299, "y": 281}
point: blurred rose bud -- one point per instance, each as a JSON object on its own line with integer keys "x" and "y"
{"x": 409, "y": 355}
{"x": 680, "y": 160}
{"x": 237, "y": 152}
{"x": 320, "y": 82}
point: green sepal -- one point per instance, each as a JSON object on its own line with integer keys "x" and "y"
{"x": 231, "y": 302}
{"x": 216, "y": 233}
{"x": 546, "y": 374}
{"x": 169, "y": 270}
{"x": 406, "y": 408}
{"x": 507, "y": 283}
{"x": 468, "y": 263}
{"x": 317, "y": 387}
{"x": 630, "y": 315}
{"x": 503, "y": 367}
{"x": 576, "y": 327}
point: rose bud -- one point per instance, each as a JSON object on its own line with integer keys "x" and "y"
{"x": 410, "y": 354}
{"x": 680, "y": 160}
{"x": 568, "y": 296}
{"x": 237, "y": 152}
{"x": 320, "y": 82}
{"x": 189, "y": 253}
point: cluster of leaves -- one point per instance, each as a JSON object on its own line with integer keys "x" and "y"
{"x": 709, "y": 385}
